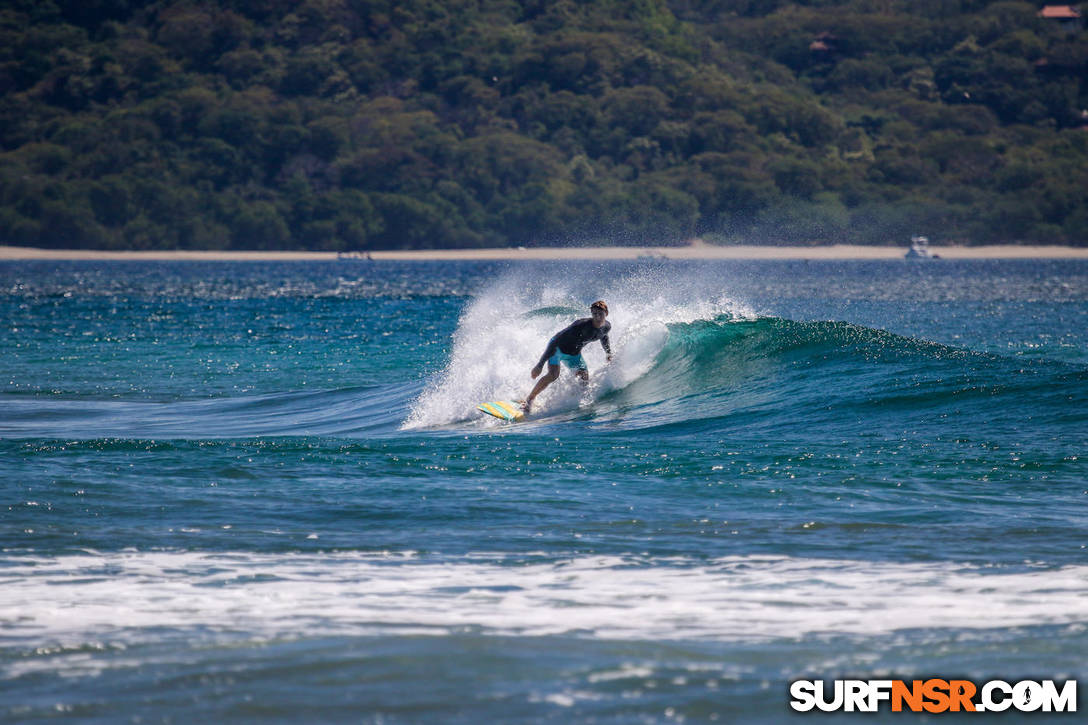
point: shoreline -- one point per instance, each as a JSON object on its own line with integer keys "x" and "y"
{"x": 697, "y": 251}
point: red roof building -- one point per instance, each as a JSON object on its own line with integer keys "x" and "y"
{"x": 1066, "y": 16}
{"x": 1060, "y": 12}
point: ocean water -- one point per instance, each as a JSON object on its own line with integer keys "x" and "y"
{"x": 260, "y": 492}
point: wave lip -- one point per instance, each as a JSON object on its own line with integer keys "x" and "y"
{"x": 504, "y": 330}
{"x": 132, "y": 596}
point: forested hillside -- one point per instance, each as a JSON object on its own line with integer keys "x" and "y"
{"x": 366, "y": 124}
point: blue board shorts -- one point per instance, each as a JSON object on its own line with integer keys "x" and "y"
{"x": 573, "y": 362}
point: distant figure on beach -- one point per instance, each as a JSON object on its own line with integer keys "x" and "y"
{"x": 566, "y": 347}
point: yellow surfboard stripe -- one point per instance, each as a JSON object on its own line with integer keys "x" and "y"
{"x": 502, "y": 409}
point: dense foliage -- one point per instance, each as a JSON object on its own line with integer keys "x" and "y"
{"x": 357, "y": 124}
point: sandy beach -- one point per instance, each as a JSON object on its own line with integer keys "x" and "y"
{"x": 695, "y": 251}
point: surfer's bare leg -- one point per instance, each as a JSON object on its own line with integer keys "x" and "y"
{"x": 548, "y": 379}
{"x": 583, "y": 375}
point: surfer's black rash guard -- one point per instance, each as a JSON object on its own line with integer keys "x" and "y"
{"x": 571, "y": 340}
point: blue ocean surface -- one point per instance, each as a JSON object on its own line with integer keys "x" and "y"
{"x": 261, "y": 492}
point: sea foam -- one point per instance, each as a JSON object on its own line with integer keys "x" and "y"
{"x": 137, "y": 596}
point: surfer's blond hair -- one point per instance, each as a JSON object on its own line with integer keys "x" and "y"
{"x": 599, "y": 305}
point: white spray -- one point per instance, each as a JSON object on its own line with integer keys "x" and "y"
{"x": 504, "y": 330}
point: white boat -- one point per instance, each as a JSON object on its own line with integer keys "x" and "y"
{"x": 919, "y": 249}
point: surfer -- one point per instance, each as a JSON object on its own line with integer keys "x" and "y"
{"x": 566, "y": 347}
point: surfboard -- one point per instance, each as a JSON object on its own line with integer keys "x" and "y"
{"x": 505, "y": 409}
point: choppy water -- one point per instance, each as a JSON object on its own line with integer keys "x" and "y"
{"x": 248, "y": 492}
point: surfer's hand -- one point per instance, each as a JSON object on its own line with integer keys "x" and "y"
{"x": 536, "y": 371}
{"x": 609, "y": 358}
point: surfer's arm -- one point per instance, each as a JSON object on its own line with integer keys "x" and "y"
{"x": 605, "y": 342}
{"x": 607, "y": 347}
{"x": 548, "y": 351}
{"x": 553, "y": 343}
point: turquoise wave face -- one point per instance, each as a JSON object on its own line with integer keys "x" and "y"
{"x": 273, "y": 472}
{"x": 785, "y": 374}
